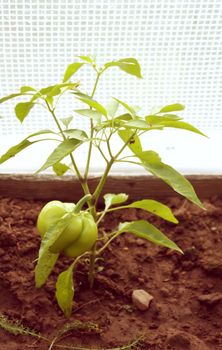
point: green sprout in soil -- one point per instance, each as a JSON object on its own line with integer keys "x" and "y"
{"x": 17, "y": 328}
{"x": 74, "y": 229}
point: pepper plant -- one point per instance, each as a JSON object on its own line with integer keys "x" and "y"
{"x": 72, "y": 229}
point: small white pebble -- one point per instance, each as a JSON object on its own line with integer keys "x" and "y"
{"x": 141, "y": 299}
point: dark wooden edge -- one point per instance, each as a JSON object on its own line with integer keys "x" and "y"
{"x": 46, "y": 187}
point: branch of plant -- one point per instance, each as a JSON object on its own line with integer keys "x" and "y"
{"x": 102, "y": 214}
{"x": 128, "y": 161}
{"x": 99, "y": 139}
{"x": 126, "y": 157}
{"x": 76, "y": 261}
{"x": 115, "y": 234}
{"x": 59, "y": 97}
{"x": 108, "y": 144}
{"x": 82, "y": 181}
{"x": 81, "y": 202}
{"x": 92, "y": 204}
{"x": 91, "y": 131}
{"x": 103, "y": 139}
{"x": 64, "y": 138}
{"x": 102, "y": 154}
{"x": 95, "y": 198}
{"x": 92, "y": 265}
{"x": 96, "y": 83}
{"x": 125, "y": 145}
{"x": 89, "y": 150}
{"x": 51, "y": 110}
{"x": 102, "y": 181}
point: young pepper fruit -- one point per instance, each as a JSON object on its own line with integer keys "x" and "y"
{"x": 79, "y": 235}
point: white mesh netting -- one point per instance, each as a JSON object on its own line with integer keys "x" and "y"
{"x": 178, "y": 43}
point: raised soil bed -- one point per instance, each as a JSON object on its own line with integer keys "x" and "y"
{"x": 186, "y": 311}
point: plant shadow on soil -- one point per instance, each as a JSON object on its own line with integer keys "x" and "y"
{"x": 187, "y": 308}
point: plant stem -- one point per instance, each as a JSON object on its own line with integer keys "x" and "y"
{"x": 110, "y": 210}
{"x": 64, "y": 138}
{"x": 82, "y": 181}
{"x": 128, "y": 161}
{"x": 91, "y": 131}
{"x": 102, "y": 181}
{"x": 95, "y": 198}
{"x": 108, "y": 242}
{"x": 53, "y": 343}
{"x": 102, "y": 153}
{"x": 125, "y": 145}
{"x": 92, "y": 266}
{"x": 102, "y": 214}
{"x": 81, "y": 202}
{"x": 96, "y": 83}
{"x": 108, "y": 144}
{"x": 91, "y": 204}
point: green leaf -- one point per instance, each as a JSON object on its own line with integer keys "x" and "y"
{"x": 62, "y": 150}
{"x": 15, "y": 150}
{"x": 113, "y": 199}
{"x": 154, "y": 119}
{"x": 181, "y": 125}
{"x": 128, "y": 65}
{"x": 94, "y": 104}
{"x": 22, "y": 110}
{"x": 9, "y": 97}
{"x": 27, "y": 89}
{"x": 22, "y": 145}
{"x": 122, "y": 117}
{"x": 54, "y": 92}
{"x": 65, "y": 291}
{"x": 50, "y": 100}
{"x": 115, "y": 122}
{"x": 66, "y": 121}
{"x": 156, "y": 208}
{"x": 144, "y": 229}
{"x": 42, "y": 132}
{"x": 43, "y": 92}
{"x": 112, "y": 107}
{"x": 134, "y": 144}
{"x": 44, "y": 267}
{"x": 79, "y": 94}
{"x": 126, "y": 106}
{"x": 50, "y": 91}
{"x": 152, "y": 162}
{"x": 149, "y": 155}
{"x": 58, "y": 88}
{"x": 46, "y": 259}
{"x": 47, "y": 90}
{"x": 140, "y": 124}
{"x": 90, "y": 114}
{"x": 171, "y": 108}
{"x": 71, "y": 70}
{"x": 76, "y": 134}
{"x": 88, "y": 59}
{"x": 60, "y": 168}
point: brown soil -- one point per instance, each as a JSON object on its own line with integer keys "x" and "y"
{"x": 187, "y": 308}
